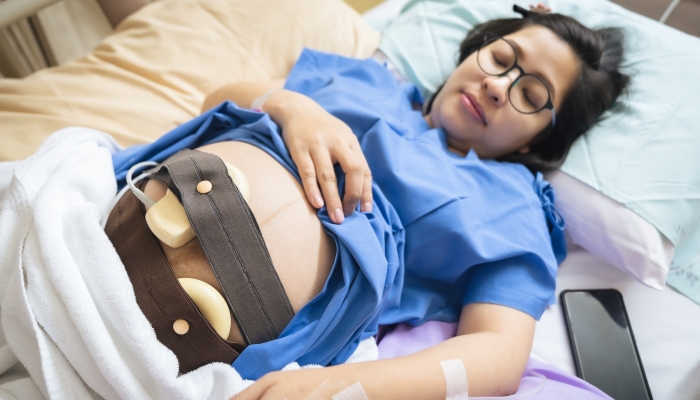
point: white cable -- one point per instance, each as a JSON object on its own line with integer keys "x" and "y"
{"x": 131, "y": 186}
{"x": 669, "y": 11}
{"x": 147, "y": 201}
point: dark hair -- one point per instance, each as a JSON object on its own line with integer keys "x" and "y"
{"x": 598, "y": 85}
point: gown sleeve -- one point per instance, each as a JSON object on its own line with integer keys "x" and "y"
{"x": 499, "y": 242}
{"x": 361, "y": 93}
{"x": 526, "y": 280}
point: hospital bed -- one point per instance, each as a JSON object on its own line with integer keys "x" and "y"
{"x": 153, "y": 72}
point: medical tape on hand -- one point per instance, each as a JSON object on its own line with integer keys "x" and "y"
{"x": 455, "y": 379}
{"x": 352, "y": 392}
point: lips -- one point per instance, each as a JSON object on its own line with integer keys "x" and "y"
{"x": 473, "y": 108}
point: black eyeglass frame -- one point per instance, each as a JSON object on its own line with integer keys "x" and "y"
{"x": 490, "y": 38}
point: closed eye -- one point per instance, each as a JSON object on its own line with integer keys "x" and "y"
{"x": 527, "y": 97}
{"x": 499, "y": 62}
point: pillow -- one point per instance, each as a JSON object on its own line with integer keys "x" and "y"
{"x": 381, "y": 15}
{"x": 611, "y": 231}
{"x": 643, "y": 155}
{"x": 154, "y": 71}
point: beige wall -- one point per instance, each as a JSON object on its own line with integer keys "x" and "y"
{"x": 686, "y": 16}
{"x": 73, "y": 28}
{"x": 20, "y": 53}
{"x": 61, "y": 32}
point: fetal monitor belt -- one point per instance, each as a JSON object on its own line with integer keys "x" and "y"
{"x": 158, "y": 293}
{"x": 234, "y": 247}
{"x": 232, "y": 242}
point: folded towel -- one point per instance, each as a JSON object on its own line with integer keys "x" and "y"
{"x": 67, "y": 308}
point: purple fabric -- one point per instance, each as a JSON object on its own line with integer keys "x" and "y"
{"x": 404, "y": 339}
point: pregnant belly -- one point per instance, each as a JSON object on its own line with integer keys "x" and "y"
{"x": 301, "y": 251}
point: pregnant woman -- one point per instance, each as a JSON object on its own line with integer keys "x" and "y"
{"x": 444, "y": 215}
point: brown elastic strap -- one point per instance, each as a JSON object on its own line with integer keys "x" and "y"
{"x": 158, "y": 293}
{"x": 232, "y": 242}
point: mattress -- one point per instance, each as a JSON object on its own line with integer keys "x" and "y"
{"x": 666, "y": 326}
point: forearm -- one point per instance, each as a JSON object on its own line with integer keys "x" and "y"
{"x": 280, "y": 105}
{"x": 241, "y": 93}
{"x": 493, "y": 363}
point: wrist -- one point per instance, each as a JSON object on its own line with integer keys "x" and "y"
{"x": 259, "y": 102}
{"x": 283, "y": 104}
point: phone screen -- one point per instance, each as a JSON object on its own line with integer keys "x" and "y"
{"x": 603, "y": 344}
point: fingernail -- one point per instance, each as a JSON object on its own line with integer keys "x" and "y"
{"x": 318, "y": 201}
{"x": 338, "y": 215}
{"x": 367, "y": 206}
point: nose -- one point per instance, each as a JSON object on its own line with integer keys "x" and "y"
{"x": 497, "y": 87}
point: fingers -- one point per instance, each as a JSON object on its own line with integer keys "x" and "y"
{"x": 318, "y": 169}
{"x": 315, "y": 164}
{"x": 325, "y": 175}
{"x": 366, "y": 200}
{"x": 307, "y": 172}
{"x": 253, "y": 392}
{"x": 358, "y": 180}
{"x": 261, "y": 389}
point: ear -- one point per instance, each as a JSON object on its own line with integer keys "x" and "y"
{"x": 524, "y": 150}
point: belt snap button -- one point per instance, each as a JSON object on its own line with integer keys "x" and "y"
{"x": 204, "y": 187}
{"x": 181, "y": 326}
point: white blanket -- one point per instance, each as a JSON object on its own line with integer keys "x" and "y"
{"x": 71, "y": 327}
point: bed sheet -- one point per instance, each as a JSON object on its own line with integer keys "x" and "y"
{"x": 666, "y": 326}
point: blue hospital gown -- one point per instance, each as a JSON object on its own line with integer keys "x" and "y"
{"x": 445, "y": 230}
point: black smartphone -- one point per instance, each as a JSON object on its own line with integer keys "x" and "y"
{"x": 603, "y": 345}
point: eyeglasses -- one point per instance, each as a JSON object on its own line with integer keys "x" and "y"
{"x": 528, "y": 94}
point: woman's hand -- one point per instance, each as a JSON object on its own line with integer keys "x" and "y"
{"x": 305, "y": 384}
{"x": 316, "y": 141}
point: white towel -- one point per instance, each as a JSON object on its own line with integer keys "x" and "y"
{"x": 67, "y": 308}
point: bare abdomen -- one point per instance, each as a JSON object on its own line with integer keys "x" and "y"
{"x": 301, "y": 251}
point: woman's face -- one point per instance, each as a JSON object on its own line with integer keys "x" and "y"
{"x": 473, "y": 107}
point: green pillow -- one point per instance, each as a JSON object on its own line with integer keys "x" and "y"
{"x": 645, "y": 154}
